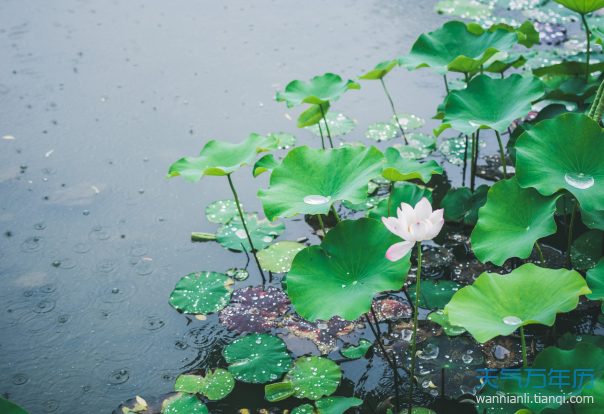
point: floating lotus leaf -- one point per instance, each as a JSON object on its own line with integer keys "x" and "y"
{"x": 257, "y": 358}
{"x": 565, "y": 88}
{"x": 441, "y": 318}
{"x": 303, "y": 409}
{"x": 550, "y": 158}
{"x": 201, "y": 293}
{"x": 359, "y": 351}
{"x": 310, "y": 377}
{"x": 264, "y": 164}
{"x": 319, "y": 90}
{"x": 499, "y": 304}
{"x": 398, "y": 168}
{"x": 404, "y": 193}
{"x": 340, "y": 276}
{"x": 420, "y": 146}
{"x": 455, "y": 149}
{"x": 407, "y": 121}
{"x": 586, "y": 250}
{"x": 569, "y": 68}
{"x": 313, "y": 116}
{"x": 454, "y": 48}
{"x": 254, "y": 310}
{"x": 339, "y": 124}
{"x": 550, "y": 12}
{"x": 380, "y": 70}
{"x": 232, "y": 235}
{"x": 310, "y": 180}
{"x": 336, "y": 405}
{"x": 354, "y": 144}
{"x": 468, "y": 9}
{"x": 285, "y": 140}
{"x": 582, "y": 6}
{"x": 419, "y": 140}
{"x": 365, "y": 205}
{"x": 222, "y": 158}
{"x": 568, "y": 341}
{"x": 437, "y": 293}
{"x": 510, "y": 222}
{"x": 490, "y": 103}
{"x": 278, "y": 256}
{"x": 9, "y": 407}
{"x": 595, "y": 282}
{"x": 381, "y": 132}
{"x": 222, "y": 211}
{"x": 583, "y": 357}
{"x": 324, "y": 334}
{"x": 184, "y": 403}
{"x": 460, "y": 204}
{"x": 215, "y": 385}
{"x": 148, "y": 405}
{"x": 593, "y": 220}
{"x": 279, "y": 391}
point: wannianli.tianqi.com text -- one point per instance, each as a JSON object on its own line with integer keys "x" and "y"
{"x": 533, "y": 399}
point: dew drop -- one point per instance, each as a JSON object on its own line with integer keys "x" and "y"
{"x": 316, "y": 199}
{"x": 241, "y": 234}
{"x": 579, "y": 180}
{"x": 512, "y": 320}
{"x": 267, "y": 239}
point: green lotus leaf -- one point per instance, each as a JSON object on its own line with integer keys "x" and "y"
{"x": 572, "y": 89}
{"x": 9, "y": 407}
{"x": 381, "y": 132}
{"x": 278, "y": 391}
{"x": 468, "y": 9}
{"x": 285, "y": 140}
{"x": 313, "y": 116}
{"x": 354, "y": 144}
{"x": 586, "y": 250}
{"x": 437, "y": 293}
{"x": 597, "y": 393}
{"x": 201, "y": 293}
{"x": 568, "y": 341}
{"x": 499, "y": 304}
{"x": 597, "y": 33}
{"x": 584, "y": 356}
{"x": 359, "y": 351}
{"x": 184, "y": 403}
{"x": 404, "y": 193}
{"x": 336, "y": 405}
{"x": 365, "y": 205}
{"x": 455, "y": 149}
{"x": 407, "y": 121}
{"x": 215, "y": 385}
{"x": 490, "y": 103}
{"x": 411, "y": 152}
{"x": 232, "y": 235}
{"x": 319, "y": 90}
{"x": 222, "y": 211}
{"x": 460, "y": 204}
{"x": 309, "y": 180}
{"x": 419, "y": 140}
{"x": 502, "y": 61}
{"x": 340, "y": 276}
{"x": 338, "y": 123}
{"x": 595, "y": 282}
{"x": 278, "y": 256}
{"x": 550, "y": 12}
{"x": 593, "y": 220}
{"x": 222, "y": 158}
{"x": 257, "y": 358}
{"x": 303, "y": 409}
{"x": 380, "y": 70}
{"x": 582, "y": 6}
{"x": 527, "y": 29}
{"x": 264, "y": 164}
{"x": 550, "y": 158}
{"x": 398, "y": 168}
{"x": 510, "y": 222}
{"x": 454, "y": 48}
{"x": 568, "y": 68}
{"x": 441, "y": 318}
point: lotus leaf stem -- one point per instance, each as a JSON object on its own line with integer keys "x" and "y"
{"x": 379, "y": 341}
{"x": 570, "y": 235}
{"x": 322, "y": 139}
{"x": 394, "y": 112}
{"x": 599, "y": 109}
{"x": 446, "y": 84}
{"x": 588, "y": 33}
{"x": 322, "y": 226}
{"x": 502, "y": 75}
{"x": 390, "y": 198}
{"x": 564, "y": 214}
{"x": 326, "y": 126}
{"x": 200, "y": 237}
{"x": 241, "y": 213}
{"x": 335, "y": 213}
{"x": 417, "y": 291}
{"x": 524, "y": 361}
{"x": 473, "y": 168}
{"x": 482, "y": 69}
{"x": 505, "y": 172}
{"x": 596, "y": 102}
{"x": 377, "y": 326}
{"x": 540, "y": 254}
{"x": 573, "y": 407}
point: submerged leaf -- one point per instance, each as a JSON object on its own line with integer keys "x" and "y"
{"x": 254, "y": 310}
{"x": 359, "y": 351}
{"x": 201, "y": 293}
{"x": 233, "y": 236}
{"x": 339, "y": 124}
{"x": 324, "y": 334}
{"x": 468, "y": 9}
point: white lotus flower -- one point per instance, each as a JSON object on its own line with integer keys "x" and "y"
{"x": 413, "y": 225}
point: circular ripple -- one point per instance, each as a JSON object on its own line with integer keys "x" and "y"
{"x": 82, "y": 248}
{"x": 49, "y": 171}
{"x": 49, "y": 288}
{"x": 44, "y": 306}
{"x": 145, "y": 268}
{"x": 32, "y": 244}
{"x": 207, "y": 337}
{"x": 64, "y": 263}
{"x": 19, "y": 379}
{"x": 116, "y": 292}
{"x": 106, "y": 266}
{"x": 28, "y": 293}
{"x": 40, "y": 226}
{"x": 50, "y": 406}
{"x": 73, "y": 385}
{"x": 138, "y": 250}
{"x": 39, "y": 325}
{"x": 52, "y": 253}
{"x": 152, "y": 323}
{"x": 63, "y": 319}
{"x": 184, "y": 246}
{"x": 118, "y": 376}
{"x": 102, "y": 234}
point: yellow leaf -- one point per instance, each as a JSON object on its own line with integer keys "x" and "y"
{"x": 141, "y": 401}
{"x": 201, "y": 317}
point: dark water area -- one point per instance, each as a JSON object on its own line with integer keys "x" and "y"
{"x": 97, "y": 100}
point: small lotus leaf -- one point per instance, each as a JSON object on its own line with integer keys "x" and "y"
{"x": 454, "y": 48}
{"x": 232, "y": 235}
{"x": 582, "y": 6}
{"x": 285, "y": 140}
{"x": 264, "y": 164}
{"x": 365, "y": 205}
{"x": 502, "y": 61}
{"x": 490, "y": 103}
{"x": 201, "y": 293}
{"x": 434, "y": 293}
{"x": 510, "y": 222}
{"x": 532, "y": 36}
{"x": 569, "y": 67}
{"x": 455, "y": 149}
{"x": 319, "y": 90}
{"x": 338, "y": 123}
{"x": 222, "y": 158}
{"x": 279, "y": 391}
{"x": 380, "y": 70}
{"x": 567, "y": 88}
{"x": 222, "y": 211}
{"x": 407, "y": 121}
{"x": 586, "y": 250}
{"x": 184, "y": 403}
{"x": 460, "y": 204}
{"x": 404, "y": 193}
{"x": 550, "y": 12}
{"x": 499, "y": 304}
{"x": 550, "y": 158}
{"x": 595, "y": 282}
{"x": 215, "y": 385}
{"x": 340, "y": 276}
{"x": 398, "y": 168}
{"x": 278, "y": 256}
{"x": 381, "y": 132}
{"x": 468, "y": 9}
{"x": 593, "y": 220}
{"x": 313, "y": 116}
{"x": 254, "y": 310}
{"x": 420, "y": 146}
{"x": 303, "y": 409}
{"x": 314, "y": 377}
{"x": 321, "y": 178}
{"x": 336, "y": 405}
{"x": 441, "y": 318}
{"x": 359, "y": 351}
{"x": 354, "y": 144}
{"x": 257, "y": 358}
{"x": 324, "y": 334}
{"x": 9, "y": 407}
{"x": 568, "y": 341}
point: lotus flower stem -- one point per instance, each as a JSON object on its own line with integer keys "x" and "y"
{"x": 540, "y": 254}
{"x": 241, "y": 213}
{"x": 570, "y": 235}
{"x": 524, "y": 361}
{"x": 564, "y": 214}
{"x": 473, "y": 168}
{"x": 599, "y": 110}
{"x": 379, "y": 341}
{"x": 394, "y": 110}
{"x": 322, "y": 139}
{"x": 588, "y": 33}
{"x": 326, "y": 127}
{"x": 505, "y": 172}
{"x": 390, "y": 198}
{"x": 446, "y": 84}
{"x": 335, "y": 213}
{"x": 417, "y": 291}
{"x": 596, "y": 102}
{"x": 482, "y": 69}
{"x": 502, "y": 77}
